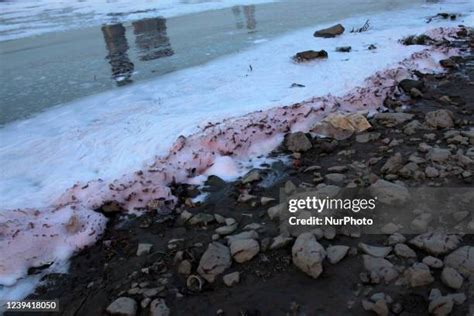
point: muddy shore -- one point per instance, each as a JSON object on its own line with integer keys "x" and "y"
{"x": 439, "y": 124}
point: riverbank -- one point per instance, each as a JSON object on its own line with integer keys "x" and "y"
{"x": 233, "y": 253}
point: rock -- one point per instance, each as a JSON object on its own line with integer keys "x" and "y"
{"x": 201, "y": 219}
{"x": 309, "y": 55}
{"x": 226, "y": 230}
{"x": 329, "y": 233}
{"x": 421, "y": 222}
{"x": 395, "y": 239}
{"x": 448, "y": 63}
{"x": 458, "y": 298}
{"x": 231, "y": 279}
{"x": 439, "y": 119}
{"x": 437, "y": 243}
{"x": 438, "y": 154}
{"x": 418, "y": 275}
{"x": 393, "y": 164}
{"x": 379, "y": 307}
{"x": 389, "y": 193}
{"x": 462, "y": 260}
{"x": 460, "y": 215}
{"x": 431, "y": 172}
{"x": 372, "y": 47}
{"x": 215, "y": 260}
{"x": 343, "y": 49}
{"x": 415, "y": 93}
{"x": 123, "y": 306}
{"x": 332, "y": 31}
{"x": 434, "y": 294}
{"x": 266, "y": 200}
{"x": 380, "y": 267}
{"x": 412, "y": 127}
{"x": 379, "y": 252}
{"x": 407, "y": 84}
{"x": 274, "y": 212}
{"x": 367, "y": 137}
{"x": 280, "y": 242}
{"x": 252, "y": 176}
{"x": 144, "y": 249}
{"x": 389, "y": 228}
{"x": 404, "y": 251}
{"x": 308, "y": 255}
{"x": 433, "y": 262}
{"x": 451, "y": 278}
{"x": 243, "y": 250}
{"x": 298, "y": 142}
{"x": 392, "y": 119}
{"x": 185, "y": 267}
{"x": 158, "y": 307}
{"x": 336, "y": 253}
{"x": 441, "y": 306}
{"x": 335, "y": 178}
{"x": 341, "y": 126}
{"x": 417, "y": 40}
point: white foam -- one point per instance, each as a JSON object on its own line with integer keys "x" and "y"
{"x": 113, "y": 133}
{"x": 23, "y": 18}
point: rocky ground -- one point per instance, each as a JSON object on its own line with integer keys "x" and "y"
{"x": 234, "y": 255}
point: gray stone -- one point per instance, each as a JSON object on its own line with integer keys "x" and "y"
{"x": 226, "y": 230}
{"x": 335, "y": 178}
{"x": 418, "y": 275}
{"x": 332, "y": 31}
{"x": 451, "y": 278}
{"x": 215, "y": 260}
{"x": 231, "y": 279}
{"x": 441, "y": 306}
{"x": 250, "y": 234}
{"x": 438, "y": 154}
{"x": 123, "y": 306}
{"x": 308, "y": 255}
{"x": 280, "y": 242}
{"x": 243, "y": 250}
{"x": 374, "y": 251}
{"x": 462, "y": 260}
{"x": 298, "y": 142}
{"x": 158, "y": 307}
{"x": 380, "y": 267}
{"x": 404, "y": 251}
{"x": 433, "y": 262}
{"x": 439, "y": 119}
{"x": 436, "y": 243}
{"x": 201, "y": 219}
{"x": 393, "y": 164}
{"x": 389, "y": 193}
{"x": 144, "y": 249}
{"x": 336, "y": 253}
{"x": 392, "y": 119}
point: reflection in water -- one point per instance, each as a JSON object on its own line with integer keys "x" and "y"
{"x": 152, "y": 39}
{"x": 117, "y": 46}
{"x": 249, "y": 14}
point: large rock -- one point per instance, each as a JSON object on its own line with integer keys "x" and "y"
{"x": 441, "y": 306}
{"x": 308, "y": 255}
{"x": 439, "y": 119}
{"x": 332, "y": 31}
{"x": 418, "y": 275}
{"x": 462, "y": 260}
{"x": 215, "y": 260}
{"x": 309, "y": 55}
{"x": 408, "y": 84}
{"x": 389, "y": 193}
{"x": 393, "y": 164}
{"x": 380, "y": 267}
{"x": 392, "y": 119}
{"x": 436, "y": 243}
{"x": 298, "y": 142}
{"x": 341, "y": 126}
{"x": 451, "y": 278}
{"x": 374, "y": 251}
{"x": 123, "y": 306}
{"x": 244, "y": 249}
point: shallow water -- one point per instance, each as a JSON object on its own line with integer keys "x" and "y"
{"x": 57, "y": 67}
